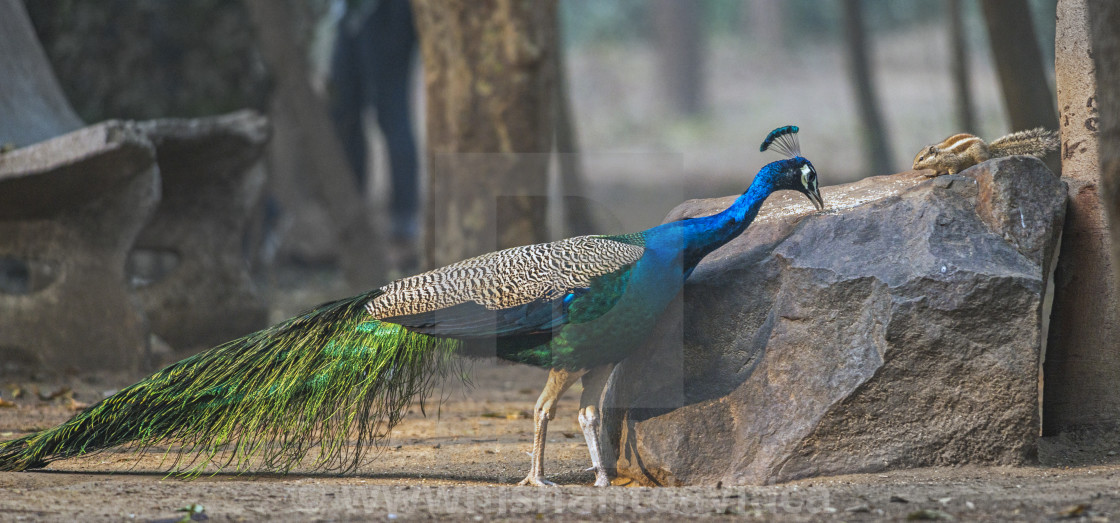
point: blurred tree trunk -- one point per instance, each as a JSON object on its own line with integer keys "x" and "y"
{"x": 680, "y": 47}
{"x": 1022, "y": 74}
{"x": 765, "y": 25}
{"x": 577, "y": 215}
{"x": 573, "y": 190}
{"x": 962, "y": 80}
{"x": 143, "y": 59}
{"x": 1105, "y": 19}
{"x": 490, "y": 85}
{"x": 876, "y": 148}
{"x": 306, "y": 158}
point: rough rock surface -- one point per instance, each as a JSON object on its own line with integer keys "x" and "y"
{"x": 900, "y": 327}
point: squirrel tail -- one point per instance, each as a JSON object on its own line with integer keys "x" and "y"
{"x": 1034, "y": 142}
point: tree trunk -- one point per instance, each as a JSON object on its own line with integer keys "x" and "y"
{"x": 489, "y": 80}
{"x": 306, "y": 158}
{"x": 962, "y": 80}
{"x": 1081, "y": 363}
{"x": 1105, "y": 15}
{"x": 573, "y": 190}
{"x": 876, "y": 148}
{"x": 1018, "y": 59}
{"x": 680, "y": 47}
{"x": 765, "y": 25}
{"x": 144, "y": 59}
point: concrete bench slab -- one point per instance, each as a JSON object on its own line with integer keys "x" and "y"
{"x": 188, "y": 265}
{"x": 70, "y": 209}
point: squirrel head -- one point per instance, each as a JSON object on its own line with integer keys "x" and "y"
{"x": 925, "y": 157}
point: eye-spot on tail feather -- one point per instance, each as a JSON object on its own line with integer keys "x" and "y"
{"x": 321, "y": 379}
{"x": 782, "y": 140}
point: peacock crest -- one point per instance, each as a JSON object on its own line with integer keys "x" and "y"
{"x": 783, "y": 140}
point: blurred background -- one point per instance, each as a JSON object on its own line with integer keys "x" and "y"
{"x": 650, "y": 102}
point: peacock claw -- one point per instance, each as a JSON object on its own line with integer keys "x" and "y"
{"x": 536, "y": 481}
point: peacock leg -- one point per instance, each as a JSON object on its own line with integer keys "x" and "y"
{"x": 558, "y": 382}
{"x": 593, "y": 384}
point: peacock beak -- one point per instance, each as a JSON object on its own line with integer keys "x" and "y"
{"x": 815, "y": 196}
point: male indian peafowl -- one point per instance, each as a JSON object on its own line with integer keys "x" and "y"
{"x": 350, "y": 368}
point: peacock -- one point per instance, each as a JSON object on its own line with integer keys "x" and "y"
{"x": 301, "y": 391}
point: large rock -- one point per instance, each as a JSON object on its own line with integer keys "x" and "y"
{"x": 901, "y": 327}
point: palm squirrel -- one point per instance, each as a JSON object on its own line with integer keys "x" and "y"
{"x": 961, "y": 151}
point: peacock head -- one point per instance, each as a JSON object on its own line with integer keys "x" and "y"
{"x": 798, "y": 174}
{"x": 795, "y": 172}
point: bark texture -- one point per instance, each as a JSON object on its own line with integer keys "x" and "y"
{"x": 1106, "y": 56}
{"x": 489, "y": 80}
{"x": 1082, "y": 366}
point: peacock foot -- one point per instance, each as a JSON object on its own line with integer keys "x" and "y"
{"x": 535, "y": 481}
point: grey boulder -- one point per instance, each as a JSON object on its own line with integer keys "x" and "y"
{"x": 901, "y": 327}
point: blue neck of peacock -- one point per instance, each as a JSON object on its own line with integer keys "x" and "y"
{"x": 704, "y": 235}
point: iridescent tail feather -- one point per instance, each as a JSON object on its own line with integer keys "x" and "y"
{"x": 266, "y": 400}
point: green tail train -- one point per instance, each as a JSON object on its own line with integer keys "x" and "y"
{"x": 270, "y": 397}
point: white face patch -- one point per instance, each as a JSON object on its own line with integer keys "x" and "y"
{"x": 805, "y": 170}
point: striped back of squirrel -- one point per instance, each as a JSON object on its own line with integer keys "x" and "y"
{"x": 1033, "y": 142}
{"x": 958, "y": 143}
{"x": 964, "y": 150}
{"x": 950, "y": 154}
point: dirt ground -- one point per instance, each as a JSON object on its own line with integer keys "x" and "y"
{"x": 462, "y": 462}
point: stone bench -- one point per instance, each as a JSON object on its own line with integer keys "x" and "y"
{"x": 75, "y": 205}
{"x": 70, "y": 209}
{"x": 188, "y": 266}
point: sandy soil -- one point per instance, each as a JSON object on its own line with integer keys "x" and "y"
{"x": 462, "y": 461}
